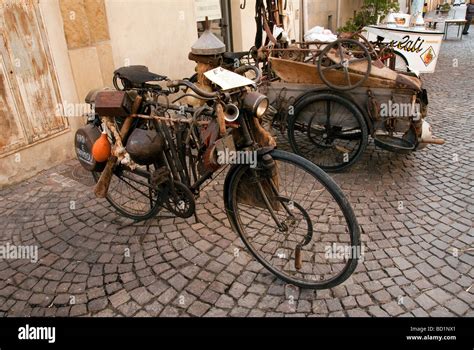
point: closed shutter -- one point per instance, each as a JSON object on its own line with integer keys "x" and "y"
{"x": 29, "y": 92}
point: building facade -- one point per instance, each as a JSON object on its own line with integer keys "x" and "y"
{"x": 52, "y": 52}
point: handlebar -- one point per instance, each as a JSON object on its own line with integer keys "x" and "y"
{"x": 212, "y": 95}
{"x": 247, "y": 67}
{"x": 187, "y": 83}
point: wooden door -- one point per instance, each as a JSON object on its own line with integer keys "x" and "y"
{"x": 29, "y": 92}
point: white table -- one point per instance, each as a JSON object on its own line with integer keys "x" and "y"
{"x": 454, "y": 22}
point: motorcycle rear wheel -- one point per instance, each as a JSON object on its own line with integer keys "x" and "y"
{"x": 132, "y": 195}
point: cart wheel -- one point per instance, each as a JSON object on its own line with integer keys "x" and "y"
{"x": 339, "y": 57}
{"x": 328, "y": 130}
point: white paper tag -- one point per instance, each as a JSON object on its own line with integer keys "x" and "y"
{"x": 226, "y": 79}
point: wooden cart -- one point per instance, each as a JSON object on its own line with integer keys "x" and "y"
{"x": 329, "y": 99}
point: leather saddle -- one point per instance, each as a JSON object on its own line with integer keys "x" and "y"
{"x": 137, "y": 76}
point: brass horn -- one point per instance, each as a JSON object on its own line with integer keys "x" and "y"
{"x": 231, "y": 112}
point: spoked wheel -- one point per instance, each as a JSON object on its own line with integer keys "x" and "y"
{"x": 328, "y": 130}
{"x": 295, "y": 223}
{"x": 344, "y": 64}
{"x": 132, "y": 195}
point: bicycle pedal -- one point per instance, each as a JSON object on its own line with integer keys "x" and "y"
{"x": 298, "y": 258}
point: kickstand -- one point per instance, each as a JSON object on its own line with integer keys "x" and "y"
{"x": 196, "y": 218}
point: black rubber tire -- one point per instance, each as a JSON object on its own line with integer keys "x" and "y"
{"x": 231, "y": 186}
{"x": 122, "y": 211}
{"x": 350, "y": 106}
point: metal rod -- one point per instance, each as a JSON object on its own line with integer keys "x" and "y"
{"x": 172, "y": 120}
{"x": 203, "y": 179}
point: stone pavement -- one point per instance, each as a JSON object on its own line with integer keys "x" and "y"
{"x": 415, "y": 212}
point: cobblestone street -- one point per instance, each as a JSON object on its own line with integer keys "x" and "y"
{"x": 415, "y": 212}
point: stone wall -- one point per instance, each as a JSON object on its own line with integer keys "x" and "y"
{"x": 330, "y": 14}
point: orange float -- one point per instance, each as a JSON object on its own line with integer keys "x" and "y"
{"x": 101, "y": 149}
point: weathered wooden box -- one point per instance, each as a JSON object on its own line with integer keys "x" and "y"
{"x": 113, "y": 104}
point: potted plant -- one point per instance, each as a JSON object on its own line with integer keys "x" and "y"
{"x": 369, "y": 13}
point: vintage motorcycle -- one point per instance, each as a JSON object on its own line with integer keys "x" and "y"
{"x": 289, "y": 213}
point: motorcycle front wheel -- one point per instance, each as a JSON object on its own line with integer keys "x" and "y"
{"x": 298, "y": 224}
